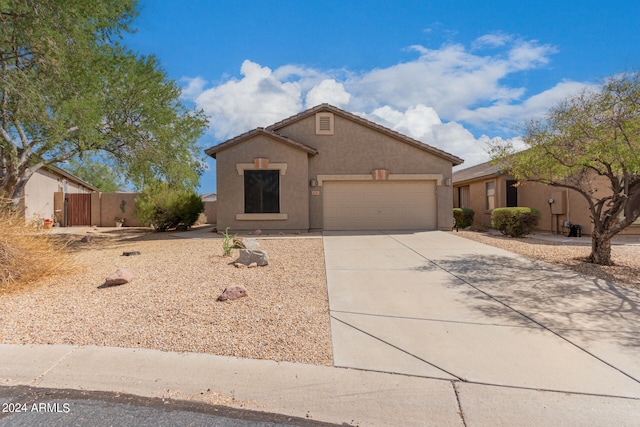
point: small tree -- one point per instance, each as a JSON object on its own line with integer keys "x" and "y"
{"x": 69, "y": 88}
{"x": 593, "y": 136}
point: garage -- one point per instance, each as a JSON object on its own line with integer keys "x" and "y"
{"x": 379, "y": 205}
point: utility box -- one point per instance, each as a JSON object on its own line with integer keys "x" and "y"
{"x": 559, "y": 205}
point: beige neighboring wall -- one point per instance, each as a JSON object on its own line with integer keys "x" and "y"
{"x": 568, "y": 205}
{"x": 355, "y": 149}
{"x": 294, "y": 186}
{"x": 112, "y": 206}
{"x": 40, "y": 190}
{"x": 211, "y": 212}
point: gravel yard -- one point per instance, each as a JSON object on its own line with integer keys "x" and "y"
{"x": 171, "y": 302}
{"x": 625, "y": 272}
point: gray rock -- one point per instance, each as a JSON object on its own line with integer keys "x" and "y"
{"x": 250, "y": 243}
{"x": 130, "y": 253}
{"x": 120, "y": 277}
{"x": 248, "y": 256}
{"x": 233, "y": 292}
{"x": 87, "y": 239}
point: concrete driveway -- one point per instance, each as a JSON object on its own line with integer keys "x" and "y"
{"x": 435, "y": 305}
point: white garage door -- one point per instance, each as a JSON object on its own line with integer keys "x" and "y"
{"x": 379, "y": 205}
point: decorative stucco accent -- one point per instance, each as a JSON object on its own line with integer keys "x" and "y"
{"x": 395, "y": 177}
{"x": 262, "y": 217}
{"x": 241, "y": 167}
{"x": 380, "y": 174}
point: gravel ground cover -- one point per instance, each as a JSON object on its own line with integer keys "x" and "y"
{"x": 626, "y": 257}
{"x": 171, "y": 302}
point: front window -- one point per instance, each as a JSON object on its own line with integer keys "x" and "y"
{"x": 261, "y": 191}
{"x": 491, "y": 195}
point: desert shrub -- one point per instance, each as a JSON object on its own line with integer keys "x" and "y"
{"x": 164, "y": 208}
{"x": 463, "y": 217}
{"x": 515, "y": 222}
{"x": 29, "y": 255}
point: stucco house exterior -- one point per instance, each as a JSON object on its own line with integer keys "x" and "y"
{"x": 40, "y": 192}
{"x": 487, "y": 186}
{"x": 328, "y": 169}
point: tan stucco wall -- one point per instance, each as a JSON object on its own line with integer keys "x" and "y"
{"x": 535, "y": 195}
{"x": 210, "y": 214}
{"x": 111, "y": 207}
{"x": 358, "y": 149}
{"x": 294, "y": 186}
{"x": 39, "y": 194}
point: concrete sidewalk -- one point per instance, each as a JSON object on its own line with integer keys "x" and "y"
{"x": 341, "y": 396}
{"x": 428, "y": 329}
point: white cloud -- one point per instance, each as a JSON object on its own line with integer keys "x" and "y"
{"x": 194, "y": 87}
{"x": 505, "y": 116}
{"x": 430, "y": 98}
{"x": 257, "y": 100}
{"x": 329, "y": 91}
{"x": 424, "y": 124}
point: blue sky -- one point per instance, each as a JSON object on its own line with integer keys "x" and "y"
{"x": 453, "y": 74}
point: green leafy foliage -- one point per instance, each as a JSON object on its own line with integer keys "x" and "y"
{"x": 463, "y": 217}
{"x": 164, "y": 208}
{"x": 515, "y": 222}
{"x": 70, "y": 88}
{"x": 103, "y": 176}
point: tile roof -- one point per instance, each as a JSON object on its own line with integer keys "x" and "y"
{"x": 353, "y": 117}
{"x": 477, "y": 172}
{"x": 212, "y": 151}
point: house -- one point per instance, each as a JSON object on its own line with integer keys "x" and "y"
{"x": 40, "y": 195}
{"x": 328, "y": 169}
{"x": 487, "y": 186}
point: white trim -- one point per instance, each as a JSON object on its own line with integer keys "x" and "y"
{"x": 261, "y": 217}
{"x": 241, "y": 167}
{"x": 438, "y": 177}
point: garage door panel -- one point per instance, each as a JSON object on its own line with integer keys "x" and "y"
{"x": 367, "y": 205}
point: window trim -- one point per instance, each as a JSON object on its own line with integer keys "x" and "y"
{"x": 240, "y": 168}
{"x": 488, "y": 197}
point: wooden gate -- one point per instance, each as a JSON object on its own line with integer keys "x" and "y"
{"x": 78, "y": 209}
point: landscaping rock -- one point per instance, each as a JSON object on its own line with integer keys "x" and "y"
{"x": 250, "y": 243}
{"x": 130, "y": 253}
{"x": 257, "y": 232}
{"x": 248, "y": 256}
{"x": 232, "y": 293}
{"x": 120, "y": 277}
{"x": 253, "y": 265}
{"x": 87, "y": 239}
{"x": 238, "y": 265}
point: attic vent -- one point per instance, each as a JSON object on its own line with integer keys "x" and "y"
{"x": 324, "y": 124}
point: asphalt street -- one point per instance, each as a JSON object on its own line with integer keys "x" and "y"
{"x": 29, "y": 406}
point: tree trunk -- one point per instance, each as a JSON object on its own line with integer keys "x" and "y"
{"x": 600, "y": 249}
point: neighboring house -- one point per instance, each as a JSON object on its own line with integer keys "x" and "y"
{"x": 327, "y": 169}
{"x": 40, "y": 194}
{"x": 486, "y": 186}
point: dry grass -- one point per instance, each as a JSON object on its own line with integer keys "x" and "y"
{"x": 27, "y": 255}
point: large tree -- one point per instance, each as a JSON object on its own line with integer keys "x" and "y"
{"x": 586, "y": 141}
{"x": 68, "y": 88}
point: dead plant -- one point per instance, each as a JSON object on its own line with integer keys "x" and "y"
{"x": 28, "y": 255}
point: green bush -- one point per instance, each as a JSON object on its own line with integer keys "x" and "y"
{"x": 515, "y": 222}
{"x": 164, "y": 208}
{"x": 463, "y": 217}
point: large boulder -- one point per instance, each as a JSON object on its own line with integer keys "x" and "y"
{"x": 233, "y": 292}
{"x": 249, "y": 256}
